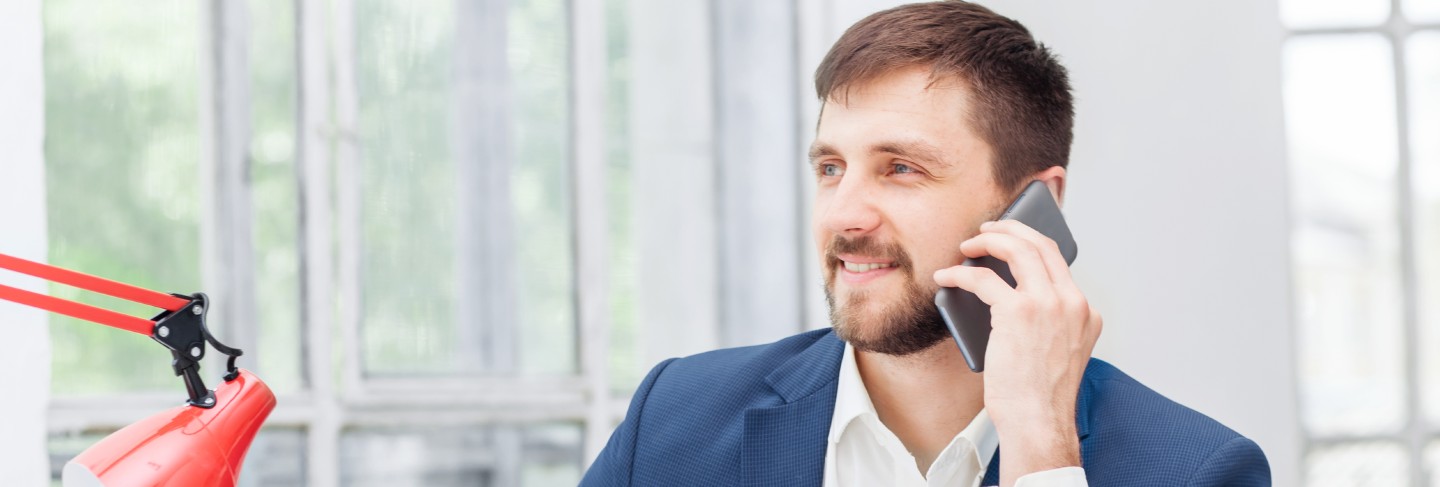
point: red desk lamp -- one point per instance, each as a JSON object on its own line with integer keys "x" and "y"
{"x": 201, "y": 443}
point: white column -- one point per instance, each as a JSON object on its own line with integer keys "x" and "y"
{"x": 591, "y": 212}
{"x": 757, "y": 152}
{"x": 227, "y": 250}
{"x": 25, "y": 364}
{"x": 484, "y": 159}
{"x": 673, "y": 164}
{"x": 317, "y": 254}
{"x": 814, "y": 34}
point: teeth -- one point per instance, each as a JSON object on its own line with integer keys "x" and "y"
{"x": 853, "y": 267}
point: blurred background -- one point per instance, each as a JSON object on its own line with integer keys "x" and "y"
{"x": 454, "y": 234}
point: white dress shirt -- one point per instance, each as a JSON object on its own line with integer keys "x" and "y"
{"x": 861, "y": 451}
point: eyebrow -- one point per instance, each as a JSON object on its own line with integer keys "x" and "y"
{"x": 916, "y": 150}
{"x": 819, "y": 150}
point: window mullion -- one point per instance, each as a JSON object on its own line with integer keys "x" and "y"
{"x": 348, "y": 186}
{"x": 590, "y": 212}
{"x": 1415, "y": 429}
{"x": 317, "y": 254}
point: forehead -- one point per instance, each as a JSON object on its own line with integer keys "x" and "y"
{"x": 905, "y": 107}
{"x": 910, "y": 83}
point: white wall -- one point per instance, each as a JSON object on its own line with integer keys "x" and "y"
{"x": 1179, "y": 201}
{"x": 25, "y": 359}
{"x": 1177, "y": 196}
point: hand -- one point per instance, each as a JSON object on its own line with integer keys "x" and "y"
{"x": 1042, "y": 333}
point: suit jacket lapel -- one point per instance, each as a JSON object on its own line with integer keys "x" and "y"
{"x": 785, "y": 444}
{"x": 992, "y": 473}
{"x": 1082, "y": 427}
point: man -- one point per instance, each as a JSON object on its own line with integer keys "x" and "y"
{"x": 935, "y": 116}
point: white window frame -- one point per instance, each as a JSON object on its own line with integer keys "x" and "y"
{"x": 1414, "y": 432}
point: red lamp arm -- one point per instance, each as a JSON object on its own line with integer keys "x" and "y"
{"x": 202, "y": 443}
{"x": 89, "y": 283}
{"x": 179, "y": 328}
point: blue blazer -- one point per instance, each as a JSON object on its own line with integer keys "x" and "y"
{"x": 760, "y": 416}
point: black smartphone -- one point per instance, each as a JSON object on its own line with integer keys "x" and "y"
{"x": 967, "y": 317}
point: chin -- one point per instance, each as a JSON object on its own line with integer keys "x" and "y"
{"x": 902, "y": 325}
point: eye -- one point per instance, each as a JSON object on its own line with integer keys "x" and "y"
{"x": 831, "y": 170}
{"x": 903, "y": 169}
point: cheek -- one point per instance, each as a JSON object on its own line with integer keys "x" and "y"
{"x": 817, "y": 228}
{"x": 933, "y": 240}
{"x": 933, "y": 256}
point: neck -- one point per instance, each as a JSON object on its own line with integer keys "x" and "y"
{"x": 925, "y": 399}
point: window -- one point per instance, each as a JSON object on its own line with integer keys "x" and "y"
{"x": 451, "y": 235}
{"x": 446, "y": 151}
{"x": 121, "y": 197}
{"x": 1362, "y": 106}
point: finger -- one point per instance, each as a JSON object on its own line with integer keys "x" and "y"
{"x": 1097, "y": 324}
{"x": 1025, "y": 261}
{"x": 1049, "y": 251}
{"x": 982, "y": 281}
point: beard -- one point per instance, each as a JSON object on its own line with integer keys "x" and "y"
{"x": 905, "y": 327}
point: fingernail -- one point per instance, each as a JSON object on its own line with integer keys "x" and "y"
{"x": 986, "y": 224}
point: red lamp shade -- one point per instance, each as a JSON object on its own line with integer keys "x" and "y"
{"x": 183, "y": 446}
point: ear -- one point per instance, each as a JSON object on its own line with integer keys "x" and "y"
{"x": 1054, "y": 178}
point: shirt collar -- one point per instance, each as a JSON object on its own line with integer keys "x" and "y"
{"x": 852, "y": 401}
{"x": 982, "y": 434}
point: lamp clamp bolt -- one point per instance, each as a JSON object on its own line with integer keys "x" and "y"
{"x": 183, "y": 332}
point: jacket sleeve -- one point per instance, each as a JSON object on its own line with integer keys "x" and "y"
{"x": 614, "y": 467}
{"x": 1237, "y": 462}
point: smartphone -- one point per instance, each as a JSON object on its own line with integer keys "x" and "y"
{"x": 967, "y": 317}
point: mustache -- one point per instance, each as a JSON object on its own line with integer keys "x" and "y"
{"x": 867, "y": 246}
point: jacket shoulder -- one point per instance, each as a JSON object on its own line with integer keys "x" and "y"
{"x": 1134, "y": 435}
{"x": 732, "y": 373}
{"x": 694, "y": 413}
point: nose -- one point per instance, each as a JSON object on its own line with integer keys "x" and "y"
{"x": 850, "y": 209}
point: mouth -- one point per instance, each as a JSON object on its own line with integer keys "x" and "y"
{"x": 865, "y": 267}
{"x": 854, "y": 262}
{"x": 858, "y": 269}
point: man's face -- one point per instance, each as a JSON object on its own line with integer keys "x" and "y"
{"x": 902, "y": 181}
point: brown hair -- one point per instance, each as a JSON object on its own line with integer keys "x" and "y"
{"x": 1019, "y": 91}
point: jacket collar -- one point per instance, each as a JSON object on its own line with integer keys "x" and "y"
{"x": 1083, "y": 398}
{"x": 785, "y": 444}
{"x": 815, "y": 367}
